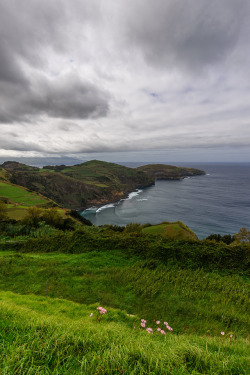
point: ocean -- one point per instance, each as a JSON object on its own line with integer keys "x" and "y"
{"x": 218, "y": 202}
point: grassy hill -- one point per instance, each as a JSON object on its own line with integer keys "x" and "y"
{"x": 173, "y": 231}
{"x": 79, "y": 186}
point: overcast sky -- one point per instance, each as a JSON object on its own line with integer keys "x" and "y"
{"x": 125, "y": 79}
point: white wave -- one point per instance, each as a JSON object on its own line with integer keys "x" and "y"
{"x": 93, "y": 208}
{"x": 134, "y": 194}
{"x": 104, "y": 207}
{"x": 142, "y": 199}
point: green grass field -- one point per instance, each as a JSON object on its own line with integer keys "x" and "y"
{"x": 20, "y": 195}
{"x": 40, "y": 335}
{"x": 194, "y": 301}
{"x": 20, "y": 199}
{"x": 46, "y": 300}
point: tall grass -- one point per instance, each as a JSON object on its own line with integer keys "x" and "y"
{"x": 41, "y": 335}
{"x": 193, "y": 301}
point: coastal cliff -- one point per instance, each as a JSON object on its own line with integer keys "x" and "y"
{"x": 91, "y": 183}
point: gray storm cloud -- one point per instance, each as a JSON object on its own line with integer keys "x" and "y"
{"x": 187, "y": 34}
{"x": 27, "y": 36}
{"x": 98, "y": 76}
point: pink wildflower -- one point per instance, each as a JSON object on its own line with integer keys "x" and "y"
{"x": 149, "y": 330}
{"x": 159, "y": 329}
{"x": 222, "y": 333}
{"x": 163, "y": 332}
{"x": 143, "y": 325}
{"x": 166, "y": 323}
{"x": 91, "y": 314}
{"x": 157, "y": 322}
{"x": 143, "y": 321}
{"x": 231, "y": 336}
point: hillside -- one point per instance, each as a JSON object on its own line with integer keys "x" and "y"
{"x": 42, "y": 335}
{"x": 91, "y": 183}
{"x": 18, "y": 198}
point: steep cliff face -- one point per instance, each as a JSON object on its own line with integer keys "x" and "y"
{"x": 91, "y": 183}
{"x": 79, "y": 186}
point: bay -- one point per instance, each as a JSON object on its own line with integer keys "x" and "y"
{"x": 218, "y": 202}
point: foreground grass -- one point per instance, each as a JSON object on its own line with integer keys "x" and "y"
{"x": 192, "y": 301}
{"x": 41, "y": 335}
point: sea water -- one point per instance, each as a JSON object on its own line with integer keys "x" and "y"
{"x": 217, "y": 202}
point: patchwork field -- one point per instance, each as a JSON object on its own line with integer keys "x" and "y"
{"x": 21, "y": 196}
{"x": 19, "y": 199}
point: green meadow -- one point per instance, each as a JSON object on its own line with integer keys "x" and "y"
{"x": 20, "y": 195}
{"x": 19, "y": 199}
{"x": 40, "y": 335}
{"x": 46, "y": 300}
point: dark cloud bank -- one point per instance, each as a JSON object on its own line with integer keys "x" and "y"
{"x": 83, "y": 72}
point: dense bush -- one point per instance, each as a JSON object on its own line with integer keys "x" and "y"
{"x": 227, "y": 238}
{"x": 193, "y": 254}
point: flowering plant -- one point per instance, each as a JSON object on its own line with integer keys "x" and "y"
{"x": 100, "y": 312}
{"x": 158, "y": 329}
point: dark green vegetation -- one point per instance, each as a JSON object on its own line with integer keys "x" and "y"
{"x": 86, "y": 184}
{"x": 208, "y": 255}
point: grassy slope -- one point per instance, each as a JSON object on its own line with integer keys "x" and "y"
{"x": 19, "y": 199}
{"x": 176, "y": 230}
{"x": 100, "y": 173}
{"x": 49, "y": 336}
{"x": 191, "y": 301}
